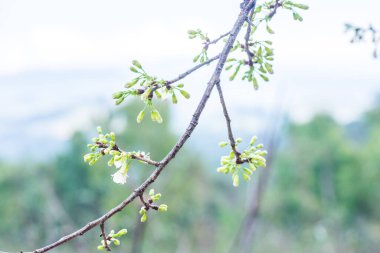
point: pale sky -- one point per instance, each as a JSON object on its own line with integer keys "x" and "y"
{"x": 66, "y": 58}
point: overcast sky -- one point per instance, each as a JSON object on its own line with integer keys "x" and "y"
{"x": 59, "y": 60}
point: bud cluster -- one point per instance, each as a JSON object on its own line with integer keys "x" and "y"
{"x": 253, "y": 156}
{"x": 148, "y": 87}
{"x": 111, "y": 239}
{"x": 202, "y": 56}
{"x": 153, "y": 197}
{"x": 105, "y": 144}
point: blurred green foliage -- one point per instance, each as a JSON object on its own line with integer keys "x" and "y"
{"x": 322, "y": 197}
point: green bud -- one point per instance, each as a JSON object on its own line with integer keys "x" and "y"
{"x": 265, "y": 78}
{"x": 155, "y": 116}
{"x": 99, "y": 129}
{"x": 246, "y": 177}
{"x": 229, "y": 67}
{"x": 163, "y": 208}
{"x": 174, "y": 98}
{"x": 117, "y": 95}
{"x": 137, "y": 64}
{"x": 301, "y": 6}
{"x": 239, "y": 140}
{"x": 268, "y": 67}
{"x": 101, "y": 247}
{"x": 255, "y": 84}
{"x": 180, "y": 85}
{"x": 223, "y": 144}
{"x": 112, "y": 136}
{"x": 235, "y": 180}
{"x": 142, "y": 211}
{"x": 111, "y": 162}
{"x": 259, "y": 146}
{"x": 253, "y": 140}
{"x": 247, "y": 171}
{"x": 122, "y": 232}
{"x": 119, "y": 101}
{"x": 92, "y": 162}
{"x": 116, "y": 242}
{"x": 269, "y": 30}
{"x": 132, "y": 83}
{"x": 156, "y": 197}
{"x": 140, "y": 117}
{"x": 151, "y": 192}
{"x": 297, "y": 16}
{"x": 196, "y": 58}
{"x": 157, "y": 94}
{"x": 185, "y": 94}
{"x": 134, "y": 69}
{"x": 222, "y": 170}
{"x": 143, "y": 217}
{"x": 88, "y": 157}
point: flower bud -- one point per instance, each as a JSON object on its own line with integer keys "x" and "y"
{"x": 235, "y": 180}
{"x": 137, "y": 64}
{"x": 143, "y": 218}
{"x": 116, "y": 242}
{"x": 223, "y": 144}
{"x": 140, "y": 117}
{"x": 117, "y": 95}
{"x": 163, "y": 208}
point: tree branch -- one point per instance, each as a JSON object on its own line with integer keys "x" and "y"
{"x": 215, "y": 78}
{"x": 228, "y": 122}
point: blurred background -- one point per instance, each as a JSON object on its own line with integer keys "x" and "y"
{"x": 318, "y": 117}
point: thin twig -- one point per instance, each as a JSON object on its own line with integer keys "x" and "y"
{"x": 135, "y": 157}
{"x": 104, "y": 237}
{"x": 183, "y": 75}
{"x": 274, "y": 8}
{"x": 228, "y": 122}
{"x": 217, "y": 39}
{"x": 146, "y": 160}
{"x": 193, "y": 123}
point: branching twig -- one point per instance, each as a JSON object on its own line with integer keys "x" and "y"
{"x": 216, "y": 40}
{"x": 215, "y": 78}
{"x": 104, "y": 237}
{"x": 274, "y": 8}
